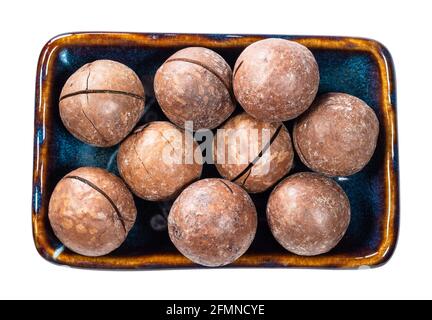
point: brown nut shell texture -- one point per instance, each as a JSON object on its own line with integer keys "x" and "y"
{"x": 252, "y": 153}
{"x": 337, "y": 136}
{"x": 159, "y": 160}
{"x": 213, "y": 222}
{"x": 91, "y": 211}
{"x": 308, "y": 213}
{"x": 275, "y": 79}
{"x": 101, "y": 102}
{"x": 195, "y": 84}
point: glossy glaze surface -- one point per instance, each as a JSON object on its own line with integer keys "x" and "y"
{"x": 359, "y": 67}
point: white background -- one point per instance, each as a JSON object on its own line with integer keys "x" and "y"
{"x": 403, "y": 28}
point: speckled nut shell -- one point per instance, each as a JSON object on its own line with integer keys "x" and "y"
{"x": 212, "y": 222}
{"x": 91, "y": 211}
{"x": 102, "y": 102}
{"x": 272, "y": 156}
{"x": 337, "y": 136}
{"x": 156, "y": 163}
{"x": 275, "y": 79}
{"x": 194, "y": 84}
{"x": 308, "y": 213}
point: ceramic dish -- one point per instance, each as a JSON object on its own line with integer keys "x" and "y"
{"x": 359, "y": 67}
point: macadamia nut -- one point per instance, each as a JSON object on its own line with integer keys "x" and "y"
{"x": 308, "y": 213}
{"x": 337, "y": 136}
{"x": 194, "y": 84}
{"x": 212, "y": 222}
{"x": 102, "y": 102}
{"x": 275, "y": 79}
{"x": 253, "y": 153}
{"x": 91, "y": 211}
{"x": 159, "y": 160}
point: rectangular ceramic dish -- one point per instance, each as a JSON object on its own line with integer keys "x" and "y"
{"x": 359, "y": 67}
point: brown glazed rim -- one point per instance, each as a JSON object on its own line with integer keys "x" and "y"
{"x": 44, "y": 85}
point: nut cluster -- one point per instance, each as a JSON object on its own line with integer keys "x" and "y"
{"x": 213, "y": 221}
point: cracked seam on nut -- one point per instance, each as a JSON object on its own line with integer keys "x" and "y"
{"x": 169, "y": 142}
{"x": 258, "y": 157}
{"x": 202, "y": 65}
{"x": 226, "y": 185}
{"x": 237, "y": 69}
{"x": 85, "y": 114}
{"x": 106, "y": 196}
{"x": 248, "y": 173}
{"x": 139, "y": 157}
{"x": 87, "y": 91}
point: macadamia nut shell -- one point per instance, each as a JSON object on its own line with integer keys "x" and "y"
{"x": 252, "y": 153}
{"x": 275, "y": 79}
{"x": 337, "y": 136}
{"x": 102, "y": 102}
{"x": 159, "y": 160}
{"x": 91, "y": 211}
{"x": 195, "y": 84}
{"x": 308, "y": 213}
{"x": 213, "y": 222}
